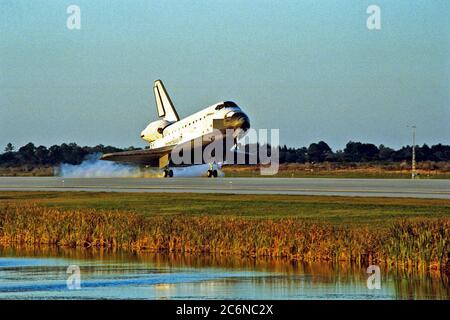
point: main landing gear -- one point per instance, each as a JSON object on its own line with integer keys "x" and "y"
{"x": 212, "y": 172}
{"x": 168, "y": 173}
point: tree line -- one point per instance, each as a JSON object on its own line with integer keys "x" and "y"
{"x": 72, "y": 153}
{"x": 363, "y": 152}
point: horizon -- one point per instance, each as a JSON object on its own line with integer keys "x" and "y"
{"x": 17, "y": 147}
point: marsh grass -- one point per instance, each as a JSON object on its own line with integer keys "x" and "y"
{"x": 412, "y": 243}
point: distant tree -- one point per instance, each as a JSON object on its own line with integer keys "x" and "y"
{"x": 102, "y": 149}
{"x": 440, "y": 152}
{"x": 357, "y": 151}
{"x": 282, "y": 154}
{"x": 369, "y": 151}
{"x": 41, "y": 154}
{"x": 27, "y": 154}
{"x": 317, "y": 152}
{"x": 132, "y": 148}
{"x": 55, "y": 154}
{"x": 9, "y": 147}
{"x": 301, "y": 155}
{"x": 424, "y": 153}
{"x": 291, "y": 156}
{"x": 385, "y": 153}
{"x": 340, "y": 157}
{"x": 402, "y": 154}
{"x": 331, "y": 157}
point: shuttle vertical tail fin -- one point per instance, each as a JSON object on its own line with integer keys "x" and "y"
{"x": 164, "y": 105}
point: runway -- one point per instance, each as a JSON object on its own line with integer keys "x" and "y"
{"x": 294, "y": 186}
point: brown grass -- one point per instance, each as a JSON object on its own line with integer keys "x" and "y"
{"x": 414, "y": 243}
{"x": 425, "y": 169}
{"x": 27, "y": 171}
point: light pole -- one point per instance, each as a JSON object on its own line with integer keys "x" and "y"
{"x": 413, "y": 161}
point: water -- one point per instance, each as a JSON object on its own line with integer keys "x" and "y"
{"x": 42, "y": 274}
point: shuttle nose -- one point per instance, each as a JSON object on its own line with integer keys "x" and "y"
{"x": 238, "y": 120}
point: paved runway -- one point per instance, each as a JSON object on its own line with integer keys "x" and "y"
{"x": 299, "y": 186}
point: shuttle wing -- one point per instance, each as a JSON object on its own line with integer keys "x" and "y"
{"x": 161, "y": 157}
{"x": 157, "y": 157}
{"x": 149, "y": 157}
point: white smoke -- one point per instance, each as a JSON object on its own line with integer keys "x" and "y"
{"x": 93, "y": 167}
{"x": 195, "y": 171}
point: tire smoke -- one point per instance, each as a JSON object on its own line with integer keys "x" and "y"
{"x": 93, "y": 167}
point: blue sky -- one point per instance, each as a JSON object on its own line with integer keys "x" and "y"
{"x": 310, "y": 68}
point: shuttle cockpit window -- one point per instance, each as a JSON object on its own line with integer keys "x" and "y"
{"x": 220, "y": 106}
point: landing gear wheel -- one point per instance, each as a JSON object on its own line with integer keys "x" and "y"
{"x": 214, "y": 173}
{"x": 210, "y": 173}
{"x": 168, "y": 173}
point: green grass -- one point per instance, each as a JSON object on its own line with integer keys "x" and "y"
{"x": 373, "y": 211}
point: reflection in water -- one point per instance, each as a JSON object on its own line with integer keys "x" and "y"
{"x": 26, "y": 274}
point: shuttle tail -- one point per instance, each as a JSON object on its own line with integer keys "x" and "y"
{"x": 164, "y": 105}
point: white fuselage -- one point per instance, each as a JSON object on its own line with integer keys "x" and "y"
{"x": 193, "y": 126}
